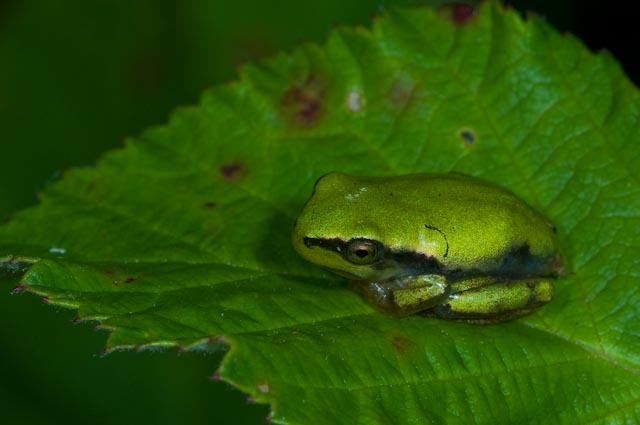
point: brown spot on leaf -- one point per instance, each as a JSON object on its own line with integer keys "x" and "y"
{"x": 19, "y": 289}
{"x": 232, "y": 171}
{"x": 215, "y": 377}
{"x": 210, "y": 205}
{"x": 46, "y": 300}
{"x": 460, "y": 13}
{"x": 468, "y": 136}
{"x": 90, "y": 187}
{"x": 303, "y": 104}
{"x": 400, "y": 344}
{"x": 130, "y": 279}
{"x": 112, "y": 275}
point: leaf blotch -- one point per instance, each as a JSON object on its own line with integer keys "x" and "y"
{"x": 264, "y": 387}
{"x": 468, "y": 136}
{"x": 459, "y": 13}
{"x": 90, "y": 186}
{"x": 402, "y": 91}
{"x": 231, "y": 172}
{"x": 400, "y": 344}
{"x": 354, "y": 101}
{"x": 210, "y": 205}
{"x": 302, "y": 105}
{"x": 130, "y": 279}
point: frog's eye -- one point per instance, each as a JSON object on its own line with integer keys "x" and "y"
{"x": 363, "y": 251}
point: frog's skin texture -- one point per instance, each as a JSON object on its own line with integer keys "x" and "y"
{"x": 446, "y": 245}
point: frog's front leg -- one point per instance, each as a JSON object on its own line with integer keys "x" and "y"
{"x": 488, "y": 299}
{"x": 404, "y": 295}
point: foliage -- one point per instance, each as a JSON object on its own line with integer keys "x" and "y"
{"x": 182, "y": 238}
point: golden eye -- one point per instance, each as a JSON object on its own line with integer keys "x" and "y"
{"x": 363, "y": 251}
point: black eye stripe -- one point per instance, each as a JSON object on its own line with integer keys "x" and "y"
{"x": 359, "y": 251}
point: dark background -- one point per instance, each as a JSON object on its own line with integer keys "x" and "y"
{"x": 76, "y": 78}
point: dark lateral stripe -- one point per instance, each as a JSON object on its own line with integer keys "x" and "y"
{"x": 416, "y": 262}
{"x": 517, "y": 261}
{"x": 336, "y": 244}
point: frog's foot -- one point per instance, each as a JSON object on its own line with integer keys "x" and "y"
{"x": 404, "y": 295}
{"x": 487, "y": 300}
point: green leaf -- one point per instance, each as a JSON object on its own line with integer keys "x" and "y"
{"x": 182, "y": 238}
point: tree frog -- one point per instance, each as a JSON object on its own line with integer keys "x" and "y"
{"x": 444, "y": 245}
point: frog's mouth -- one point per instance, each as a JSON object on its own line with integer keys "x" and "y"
{"x": 345, "y": 274}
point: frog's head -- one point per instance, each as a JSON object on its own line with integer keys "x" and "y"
{"x": 334, "y": 231}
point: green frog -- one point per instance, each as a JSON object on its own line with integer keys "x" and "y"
{"x": 445, "y": 245}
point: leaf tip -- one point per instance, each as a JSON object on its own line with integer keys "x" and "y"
{"x": 19, "y": 289}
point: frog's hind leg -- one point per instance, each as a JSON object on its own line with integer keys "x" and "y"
{"x": 487, "y": 300}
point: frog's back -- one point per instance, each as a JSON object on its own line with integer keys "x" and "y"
{"x": 458, "y": 219}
